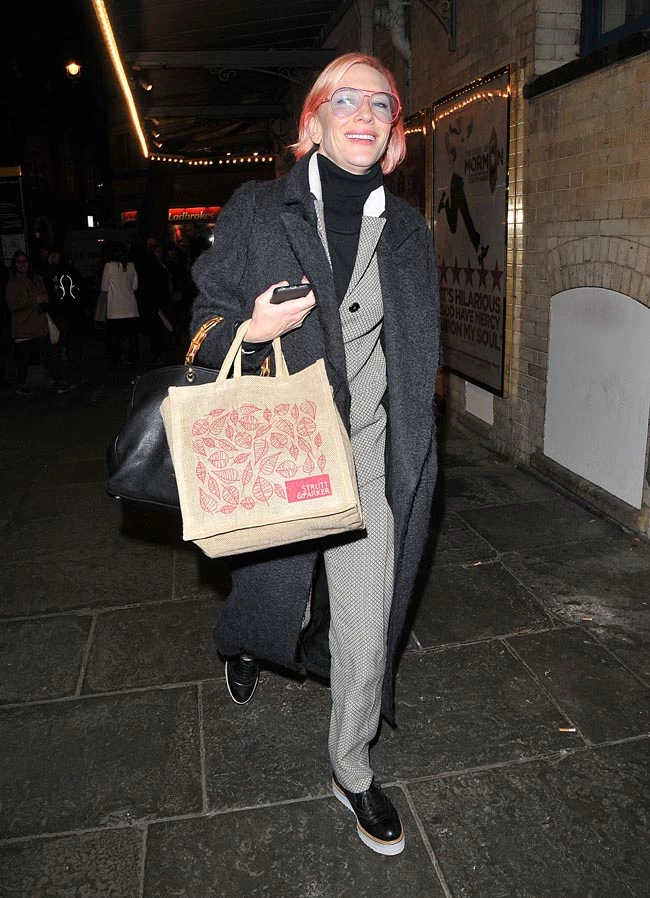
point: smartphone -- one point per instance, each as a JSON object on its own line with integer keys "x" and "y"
{"x": 282, "y": 294}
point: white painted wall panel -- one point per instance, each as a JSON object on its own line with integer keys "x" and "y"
{"x": 479, "y": 402}
{"x": 598, "y": 395}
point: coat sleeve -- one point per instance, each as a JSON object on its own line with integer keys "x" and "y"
{"x": 218, "y": 274}
{"x": 105, "y": 277}
{"x": 18, "y": 298}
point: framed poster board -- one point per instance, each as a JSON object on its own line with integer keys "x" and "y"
{"x": 13, "y": 234}
{"x": 470, "y": 205}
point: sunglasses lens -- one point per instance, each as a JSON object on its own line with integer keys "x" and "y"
{"x": 347, "y": 100}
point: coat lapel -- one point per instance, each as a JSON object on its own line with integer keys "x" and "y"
{"x": 371, "y": 231}
{"x": 300, "y": 224}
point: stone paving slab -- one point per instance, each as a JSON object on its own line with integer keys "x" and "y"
{"x": 495, "y": 484}
{"x": 535, "y": 524}
{"x": 613, "y": 571}
{"x": 457, "y": 543}
{"x": 463, "y": 604}
{"x": 152, "y": 645}
{"x": 633, "y": 649}
{"x": 84, "y": 865}
{"x": 81, "y": 470}
{"x": 306, "y": 849}
{"x": 467, "y": 706}
{"x": 571, "y": 828}
{"x": 99, "y": 761}
{"x": 67, "y": 537}
{"x": 10, "y": 501}
{"x": 195, "y": 574}
{"x": 456, "y": 450}
{"x": 604, "y": 700}
{"x": 85, "y": 500}
{"x": 603, "y": 585}
{"x": 102, "y": 579}
{"x": 274, "y": 749}
{"x": 41, "y": 659}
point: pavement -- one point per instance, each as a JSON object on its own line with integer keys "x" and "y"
{"x": 521, "y": 761}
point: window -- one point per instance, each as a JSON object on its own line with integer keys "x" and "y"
{"x": 606, "y": 21}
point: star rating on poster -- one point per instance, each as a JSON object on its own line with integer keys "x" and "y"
{"x": 451, "y": 274}
{"x": 496, "y": 277}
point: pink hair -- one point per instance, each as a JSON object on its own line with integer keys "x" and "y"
{"x": 326, "y": 82}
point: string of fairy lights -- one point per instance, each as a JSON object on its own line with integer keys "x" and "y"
{"x": 474, "y": 96}
{"x": 228, "y": 159}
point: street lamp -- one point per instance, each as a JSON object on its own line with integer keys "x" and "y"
{"x": 73, "y": 70}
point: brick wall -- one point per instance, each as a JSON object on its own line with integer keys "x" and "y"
{"x": 557, "y": 35}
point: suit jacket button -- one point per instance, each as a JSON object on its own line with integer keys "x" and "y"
{"x": 355, "y": 307}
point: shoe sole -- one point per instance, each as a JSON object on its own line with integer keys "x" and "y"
{"x": 389, "y": 848}
{"x": 236, "y": 700}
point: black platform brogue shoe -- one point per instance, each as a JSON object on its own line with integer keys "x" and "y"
{"x": 378, "y": 823}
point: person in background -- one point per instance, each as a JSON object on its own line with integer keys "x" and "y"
{"x": 27, "y": 300}
{"x": 338, "y": 607}
{"x": 67, "y": 303}
{"x": 41, "y": 263}
{"x": 196, "y": 242}
{"x": 181, "y": 280}
{"x": 154, "y": 297}
{"x": 120, "y": 281}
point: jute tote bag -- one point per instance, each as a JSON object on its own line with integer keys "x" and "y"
{"x": 260, "y": 461}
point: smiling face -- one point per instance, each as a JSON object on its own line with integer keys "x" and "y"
{"x": 356, "y": 142}
{"x": 21, "y": 264}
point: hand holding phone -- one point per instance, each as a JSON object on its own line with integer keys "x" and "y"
{"x": 293, "y": 291}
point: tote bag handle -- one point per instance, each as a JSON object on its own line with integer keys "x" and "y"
{"x": 233, "y": 358}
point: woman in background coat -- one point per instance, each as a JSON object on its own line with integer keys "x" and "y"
{"x": 120, "y": 281}
{"x": 27, "y": 300}
{"x": 372, "y": 314}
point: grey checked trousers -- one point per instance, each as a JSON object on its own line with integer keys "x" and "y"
{"x": 360, "y": 582}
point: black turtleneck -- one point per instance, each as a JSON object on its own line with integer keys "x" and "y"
{"x": 344, "y": 196}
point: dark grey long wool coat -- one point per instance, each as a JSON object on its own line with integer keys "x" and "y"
{"x": 267, "y": 233}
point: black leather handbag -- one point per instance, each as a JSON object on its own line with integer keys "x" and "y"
{"x": 140, "y": 467}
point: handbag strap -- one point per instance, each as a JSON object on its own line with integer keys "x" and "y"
{"x": 199, "y": 337}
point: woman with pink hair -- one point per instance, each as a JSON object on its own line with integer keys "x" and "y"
{"x": 337, "y": 607}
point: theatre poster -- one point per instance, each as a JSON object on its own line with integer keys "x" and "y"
{"x": 13, "y": 231}
{"x": 470, "y": 165}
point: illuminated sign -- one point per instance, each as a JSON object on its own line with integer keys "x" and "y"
{"x": 195, "y": 213}
{"x": 191, "y": 213}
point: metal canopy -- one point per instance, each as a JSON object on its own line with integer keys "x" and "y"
{"x": 224, "y": 74}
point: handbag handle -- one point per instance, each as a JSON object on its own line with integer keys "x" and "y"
{"x": 234, "y": 356}
{"x": 199, "y": 337}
